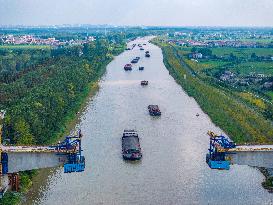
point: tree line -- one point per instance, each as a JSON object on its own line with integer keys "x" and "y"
{"x": 42, "y": 96}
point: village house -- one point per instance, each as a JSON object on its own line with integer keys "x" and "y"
{"x": 227, "y": 75}
{"x": 196, "y": 55}
{"x": 268, "y": 85}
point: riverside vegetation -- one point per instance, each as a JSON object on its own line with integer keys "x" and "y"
{"x": 42, "y": 88}
{"x": 245, "y": 118}
{"x": 240, "y": 120}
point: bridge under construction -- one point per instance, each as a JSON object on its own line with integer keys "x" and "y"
{"x": 22, "y": 158}
{"x": 223, "y": 152}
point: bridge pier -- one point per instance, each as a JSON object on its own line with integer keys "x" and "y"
{"x": 14, "y": 181}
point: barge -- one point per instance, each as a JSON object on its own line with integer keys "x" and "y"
{"x": 128, "y": 67}
{"x": 130, "y": 145}
{"x": 134, "y": 60}
{"x": 144, "y": 82}
{"x": 154, "y": 110}
{"x": 147, "y": 55}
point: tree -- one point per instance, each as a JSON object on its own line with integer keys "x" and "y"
{"x": 253, "y": 56}
{"x": 194, "y": 49}
{"x": 22, "y": 130}
{"x": 205, "y": 51}
{"x": 232, "y": 57}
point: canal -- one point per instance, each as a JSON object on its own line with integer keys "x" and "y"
{"x": 173, "y": 168}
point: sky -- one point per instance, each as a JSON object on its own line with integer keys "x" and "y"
{"x": 138, "y": 12}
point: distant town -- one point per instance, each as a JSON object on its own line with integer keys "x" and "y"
{"x": 34, "y": 40}
{"x": 224, "y": 38}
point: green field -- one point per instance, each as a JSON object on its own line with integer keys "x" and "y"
{"x": 243, "y": 68}
{"x": 211, "y": 64}
{"x": 239, "y": 52}
{"x": 258, "y": 67}
{"x": 242, "y": 52}
{"x": 270, "y": 94}
{"x": 237, "y": 117}
{"x": 24, "y": 47}
{"x": 262, "y": 40}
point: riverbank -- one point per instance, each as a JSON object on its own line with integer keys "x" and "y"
{"x": 240, "y": 122}
{"x": 268, "y": 182}
{"x": 29, "y": 183}
{"x": 41, "y": 175}
{"x": 70, "y": 119}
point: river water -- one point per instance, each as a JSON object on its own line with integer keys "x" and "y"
{"x": 173, "y": 168}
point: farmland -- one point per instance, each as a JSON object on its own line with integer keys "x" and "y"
{"x": 243, "y": 115}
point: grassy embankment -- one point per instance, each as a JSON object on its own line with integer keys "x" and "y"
{"x": 240, "y": 120}
{"x": 242, "y": 123}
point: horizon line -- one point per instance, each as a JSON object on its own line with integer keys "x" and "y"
{"x": 129, "y": 26}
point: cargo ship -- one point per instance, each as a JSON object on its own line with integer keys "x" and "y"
{"x": 154, "y": 110}
{"x": 130, "y": 145}
{"x": 128, "y": 67}
{"x": 147, "y": 55}
{"x": 134, "y": 60}
{"x": 144, "y": 82}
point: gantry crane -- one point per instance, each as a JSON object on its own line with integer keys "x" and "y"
{"x": 223, "y": 152}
